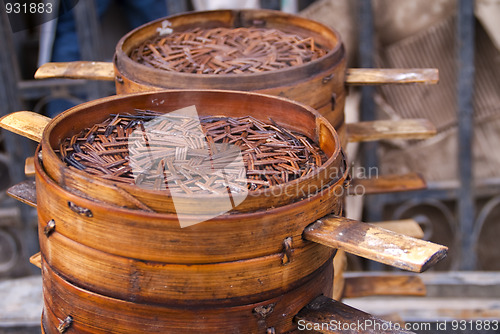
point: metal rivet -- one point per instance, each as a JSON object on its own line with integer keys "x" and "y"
{"x": 65, "y": 324}
{"x": 80, "y": 210}
{"x": 49, "y": 228}
{"x": 264, "y": 310}
{"x": 287, "y": 251}
{"x": 327, "y": 78}
{"x": 119, "y": 79}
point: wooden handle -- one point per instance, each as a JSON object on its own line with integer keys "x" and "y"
{"x": 25, "y": 123}
{"x": 384, "y": 76}
{"x": 36, "y": 260}
{"x": 90, "y": 70}
{"x": 325, "y": 315}
{"x": 24, "y": 192}
{"x": 387, "y": 184}
{"x": 362, "y": 285}
{"x": 29, "y": 166}
{"x": 402, "y": 129}
{"x": 375, "y": 243}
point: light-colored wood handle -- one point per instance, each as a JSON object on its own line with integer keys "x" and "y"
{"x": 29, "y": 166}
{"x": 375, "y": 243}
{"x": 24, "y": 192}
{"x": 384, "y": 76}
{"x": 361, "y": 285}
{"x": 386, "y": 129}
{"x": 89, "y": 70}
{"x": 25, "y": 123}
{"x": 325, "y": 315}
{"x": 387, "y": 184}
{"x": 36, "y": 260}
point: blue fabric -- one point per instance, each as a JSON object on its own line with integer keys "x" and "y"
{"x": 137, "y": 12}
{"x": 66, "y": 47}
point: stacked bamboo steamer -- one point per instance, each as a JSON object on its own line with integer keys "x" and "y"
{"x": 236, "y": 272}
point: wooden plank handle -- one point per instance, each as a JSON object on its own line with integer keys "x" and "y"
{"x": 386, "y": 129}
{"x": 384, "y": 76}
{"x": 24, "y": 192}
{"x": 375, "y": 243}
{"x": 89, "y": 70}
{"x": 362, "y": 285}
{"x": 36, "y": 260}
{"x": 25, "y": 123}
{"x": 325, "y": 315}
{"x": 387, "y": 184}
{"x": 29, "y": 166}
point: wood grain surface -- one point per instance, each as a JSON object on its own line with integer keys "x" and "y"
{"x": 390, "y": 129}
{"x": 225, "y": 283}
{"x": 376, "y": 244}
{"x": 24, "y": 192}
{"x": 88, "y": 70}
{"x": 29, "y": 167}
{"x": 25, "y": 123}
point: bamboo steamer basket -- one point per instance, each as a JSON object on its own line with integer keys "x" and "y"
{"x": 95, "y": 313}
{"x": 224, "y": 267}
{"x": 287, "y": 113}
{"x": 319, "y": 83}
{"x": 147, "y": 257}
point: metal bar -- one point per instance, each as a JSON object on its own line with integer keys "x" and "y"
{"x": 369, "y": 150}
{"x": 465, "y": 90}
{"x": 366, "y": 52}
